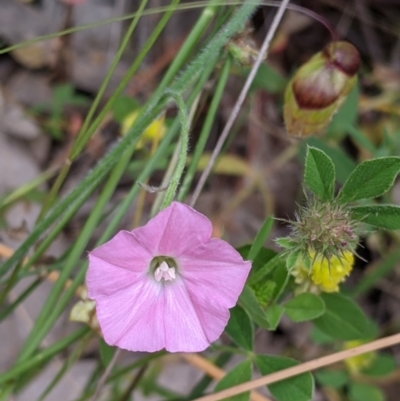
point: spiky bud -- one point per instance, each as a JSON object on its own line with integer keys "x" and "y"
{"x": 320, "y": 249}
{"x": 319, "y": 88}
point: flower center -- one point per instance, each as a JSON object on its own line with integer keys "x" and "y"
{"x": 164, "y": 272}
{"x": 164, "y": 268}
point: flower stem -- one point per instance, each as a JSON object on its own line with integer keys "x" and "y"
{"x": 183, "y": 149}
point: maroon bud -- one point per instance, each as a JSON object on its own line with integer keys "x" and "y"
{"x": 343, "y": 56}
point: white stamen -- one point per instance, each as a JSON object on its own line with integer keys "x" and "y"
{"x": 165, "y": 272}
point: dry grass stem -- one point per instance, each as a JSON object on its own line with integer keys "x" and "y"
{"x": 303, "y": 368}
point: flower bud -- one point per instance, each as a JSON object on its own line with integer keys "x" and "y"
{"x": 319, "y": 88}
{"x": 243, "y": 48}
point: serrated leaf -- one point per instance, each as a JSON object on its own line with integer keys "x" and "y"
{"x": 239, "y": 374}
{"x": 304, "y": 307}
{"x": 343, "y": 164}
{"x": 240, "y": 328}
{"x": 319, "y": 174}
{"x": 260, "y": 238}
{"x": 297, "y": 388}
{"x": 382, "y": 216}
{"x": 370, "y": 179}
{"x": 332, "y": 378}
{"x": 274, "y": 313}
{"x": 343, "y": 319}
{"x": 365, "y": 392}
{"x": 249, "y": 303}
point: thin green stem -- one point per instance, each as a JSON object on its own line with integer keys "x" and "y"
{"x": 205, "y": 131}
{"x": 183, "y": 150}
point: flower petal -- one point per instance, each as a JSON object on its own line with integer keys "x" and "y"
{"x": 214, "y": 273}
{"x": 104, "y": 278}
{"x": 125, "y": 251}
{"x": 133, "y": 318}
{"x": 174, "y": 230}
{"x": 185, "y": 329}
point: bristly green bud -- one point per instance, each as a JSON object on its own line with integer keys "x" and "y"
{"x": 319, "y": 88}
{"x": 243, "y": 48}
{"x": 323, "y": 229}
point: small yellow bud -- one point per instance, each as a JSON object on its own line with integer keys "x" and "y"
{"x": 325, "y": 274}
{"x": 154, "y": 131}
{"x": 319, "y": 88}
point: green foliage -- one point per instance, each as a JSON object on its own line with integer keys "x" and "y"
{"x": 365, "y": 392}
{"x": 381, "y": 216}
{"x": 268, "y": 79}
{"x": 106, "y": 352}
{"x": 297, "y": 388}
{"x": 332, "y": 378}
{"x": 240, "y": 328}
{"x": 319, "y": 174}
{"x": 370, "y": 179}
{"x": 304, "y": 307}
{"x": 239, "y": 374}
{"x": 260, "y": 238}
{"x": 248, "y": 301}
{"x": 123, "y": 106}
{"x": 343, "y": 319}
{"x": 382, "y": 365}
{"x": 274, "y": 314}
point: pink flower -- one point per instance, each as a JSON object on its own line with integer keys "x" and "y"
{"x": 167, "y": 284}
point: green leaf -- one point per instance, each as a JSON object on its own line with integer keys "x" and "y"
{"x": 291, "y": 259}
{"x": 304, "y": 307}
{"x": 343, "y": 319}
{"x": 319, "y": 174}
{"x": 260, "y": 273}
{"x": 382, "y": 216}
{"x": 382, "y": 365}
{"x": 249, "y": 303}
{"x": 274, "y": 314}
{"x": 365, "y": 392}
{"x": 280, "y": 276}
{"x": 106, "y": 352}
{"x": 285, "y": 242}
{"x": 240, "y": 328}
{"x": 332, "y": 378}
{"x": 241, "y": 373}
{"x": 370, "y": 179}
{"x": 260, "y": 238}
{"x": 320, "y": 337}
{"x": 344, "y": 165}
{"x": 297, "y": 388}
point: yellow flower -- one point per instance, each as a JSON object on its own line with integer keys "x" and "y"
{"x": 155, "y": 131}
{"x": 325, "y": 274}
{"x": 355, "y": 364}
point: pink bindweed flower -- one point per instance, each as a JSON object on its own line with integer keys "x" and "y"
{"x": 167, "y": 284}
